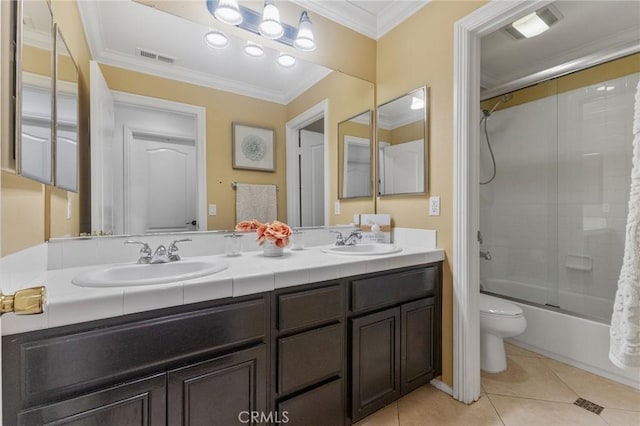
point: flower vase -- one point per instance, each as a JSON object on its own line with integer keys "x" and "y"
{"x": 270, "y": 249}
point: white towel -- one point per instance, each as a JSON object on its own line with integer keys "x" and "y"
{"x": 624, "y": 348}
{"x": 256, "y": 202}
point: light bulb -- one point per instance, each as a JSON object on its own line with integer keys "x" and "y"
{"x": 270, "y": 27}
{"x": 304, "y": 39}
{"x": 253, "y": 49}
{"x": 286, "y": 60}
{"x": 228, "y": 12}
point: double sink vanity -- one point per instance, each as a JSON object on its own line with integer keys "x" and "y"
{"x": 312, "y": 337}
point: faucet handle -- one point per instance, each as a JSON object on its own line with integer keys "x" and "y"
{"x": 173, "y": 248}
{"x": 145, "y": 249}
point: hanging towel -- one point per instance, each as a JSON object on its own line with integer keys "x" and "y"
{"x": 256, "y": 202}
{"x": 624, "y": 348}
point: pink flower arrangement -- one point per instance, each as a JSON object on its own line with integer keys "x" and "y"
{"x": 276, "y": 232}
{"x": 248, "y": 225}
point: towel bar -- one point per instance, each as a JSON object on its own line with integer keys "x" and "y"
{"x": 234, "y": 185}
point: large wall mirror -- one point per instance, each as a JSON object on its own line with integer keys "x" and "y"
{"x": 402, "y": 144}
{"x": 34, "y": 91}
{"x": 66, "y": 117}
{"x": 355, "y": 152}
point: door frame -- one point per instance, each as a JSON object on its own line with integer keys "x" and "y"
{"x": 466, "y": 186}
{"x": 316, "y": 112}
{"x": 129, "y": 99}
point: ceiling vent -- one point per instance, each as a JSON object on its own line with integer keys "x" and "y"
{"x": 547, "y": 16}
{"x": 148, "y": 54}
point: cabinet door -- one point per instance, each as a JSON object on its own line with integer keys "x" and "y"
{"x": 375, "y": 362}
{"x": 138, "y": 403}
{"x": 221, "y": 391}
{"x": 417, "y": 362}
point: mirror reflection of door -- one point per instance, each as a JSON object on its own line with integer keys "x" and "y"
{"x": 357, "y": 167}
{"x": 311, "y": 140}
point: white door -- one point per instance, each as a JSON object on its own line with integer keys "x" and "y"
{"x": 102, "y": 152}
{"x": 403, "y": 168}
{"x": 311, "y": 178}
{"x": 160, "y": 183}
{"x": 357, "y": 167}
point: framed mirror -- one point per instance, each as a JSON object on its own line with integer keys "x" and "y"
{"x": 402, "y": 145}
{"x": 66, "y": 117}
{"x": 355, "y": 157}
{"x": 34, "y": 131}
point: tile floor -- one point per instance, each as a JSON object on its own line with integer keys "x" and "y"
{"x": 534, "y": 390}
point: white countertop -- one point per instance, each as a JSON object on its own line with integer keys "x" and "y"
{"x": 247, "y": 274}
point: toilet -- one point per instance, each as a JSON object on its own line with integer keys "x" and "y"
{"x": 499, "y": 318}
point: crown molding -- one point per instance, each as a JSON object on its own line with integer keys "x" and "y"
{"x": 346, "y": 14}
{"x": 396, "y": 13}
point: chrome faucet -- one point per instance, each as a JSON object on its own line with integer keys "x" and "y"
{"x": 145, "y": 251}
{"x": 351, "y": 239}
{"x": 485, "y": 254}
{"x": 161, "y": 255}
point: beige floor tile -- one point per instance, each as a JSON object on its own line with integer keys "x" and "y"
{"x": 597, "y": 389}
{"x": 518, "y": 351}
{"x": 387, "y": 416}
{"x": 615, "y": 417}
{"x": 531, "y": 412}
{"x": 528, "y": 377}
{"x": 429, "y": 406}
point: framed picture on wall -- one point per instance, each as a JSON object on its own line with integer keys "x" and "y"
{"x": 254, "y": 148}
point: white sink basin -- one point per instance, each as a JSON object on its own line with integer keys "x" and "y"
{"x": 363, "y": 249}
{"x": 132, "y": 274}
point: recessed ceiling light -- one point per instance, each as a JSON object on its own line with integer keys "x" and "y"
{"x": 216, "y": 40}
{"x": 417, "y": 103}
{"x": 253, "y": 49}
{"x": 286, "y": 60}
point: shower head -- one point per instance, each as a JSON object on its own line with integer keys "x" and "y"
{"x": 503, "y": 99}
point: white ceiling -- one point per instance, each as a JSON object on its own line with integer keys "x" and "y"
{"x": 115, "y": 29}
{"x": 586, "y": 27}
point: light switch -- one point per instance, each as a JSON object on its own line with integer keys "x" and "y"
{"x": 69, "y": 207}
{"x": 434, "y": 206}
{"x": 336, "y": 208}
{"x": 213, "y": 209}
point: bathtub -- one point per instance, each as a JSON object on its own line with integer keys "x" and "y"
{"x": 574, "y": 340}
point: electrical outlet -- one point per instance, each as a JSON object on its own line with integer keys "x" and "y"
{"x": 336, "y": 208}
{"x": 69, "y": 207}
{"x": 434, "y": 206}
{"x": 356, "y": 219}
{"x": 213, "y": 210}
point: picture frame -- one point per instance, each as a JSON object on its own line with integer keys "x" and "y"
{"x": 253, "y": 148}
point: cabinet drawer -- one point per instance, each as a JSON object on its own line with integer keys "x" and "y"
{"x": 388, "y": 289}
{"x": 318, "y": 407}
{"x": 310, "y": 307}
{"x": 306, "y": 358}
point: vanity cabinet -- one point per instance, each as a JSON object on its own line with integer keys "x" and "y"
{"x": 183, "y": 365}
{"x": 309, "y": 354}
{"x": 395, "y": 343}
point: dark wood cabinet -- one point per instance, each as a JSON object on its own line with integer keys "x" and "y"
{"x": 418, "y": 348}
{"x": 223, "y": 391}
{"x": 375, "y": 365}
{"x": 138, "y": 403}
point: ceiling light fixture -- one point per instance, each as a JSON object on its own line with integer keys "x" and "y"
{"x": 216, "y": 40}
{"x": 286, "y": 60}
{"x": 253, "y": 49}
{"x": 417, "y": 103}
{"x": 270, "y": 27}
{"x": 228, "y": 11}
{"x": 267, "y": 24}
{"x": 534, "y": 23}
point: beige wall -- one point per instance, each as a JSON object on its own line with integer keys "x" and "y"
{"x": 348, "y": 96}
{"x": 407, "y": 133}
{"x": 420, "y": 52}
{"x": 222, "y": 108}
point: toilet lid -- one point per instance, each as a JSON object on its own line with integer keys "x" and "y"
{"x": 497, "y": 306}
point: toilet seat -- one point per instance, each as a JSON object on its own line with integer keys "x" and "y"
{"x": 493, "y": 306}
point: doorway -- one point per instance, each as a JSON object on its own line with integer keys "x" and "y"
{"x": 307, "y": 167}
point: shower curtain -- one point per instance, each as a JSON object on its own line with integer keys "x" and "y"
{"x": 624, "y": 348}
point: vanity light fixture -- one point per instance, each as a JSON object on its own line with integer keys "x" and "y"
{"x": 286, "y": 60}
{"x": 216, "y": 40}
{"x": 534, "y": 23}
{"x": 267, "y": 24}
{"x": 417, "y": 103}
{"x": 253, "y": 49}
{"x": 228, "y": 11}
{"x": 304, "y": 39}
{"x": 270, "y": 27}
